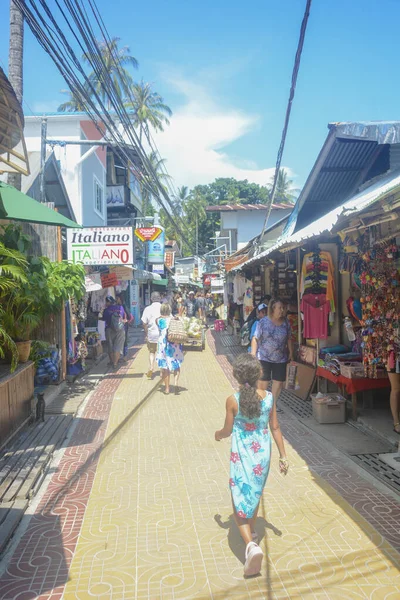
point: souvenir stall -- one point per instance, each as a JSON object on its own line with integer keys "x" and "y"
{"x": 371, "y": 325}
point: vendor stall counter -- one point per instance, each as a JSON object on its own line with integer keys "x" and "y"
{"x": 353, "y": 386}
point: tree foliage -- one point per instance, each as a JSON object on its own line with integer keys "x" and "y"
{"x": 191, "y": 206}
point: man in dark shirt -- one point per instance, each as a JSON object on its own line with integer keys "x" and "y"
{"x": 190, "y": 305}
{"x": 115, "y": 334}
{"x": 201, "y": 306}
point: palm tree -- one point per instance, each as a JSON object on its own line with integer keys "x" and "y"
{"x": 15, "y": 70}
{"x": 115, "y": 61}
{"x": 285, "y": 192}
{"x": 149, "y": 187}
{"x": 180, "y": 199}
{"x": 148, "y": 108}
{"x": 74, "y": 104}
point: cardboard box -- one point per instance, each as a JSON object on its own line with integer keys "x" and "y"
{"x": 329, "y": 408}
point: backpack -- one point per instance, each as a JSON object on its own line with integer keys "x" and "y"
{"x": 116, "y": 322}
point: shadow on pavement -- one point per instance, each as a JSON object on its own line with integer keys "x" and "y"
{"x": 235, "y": 541}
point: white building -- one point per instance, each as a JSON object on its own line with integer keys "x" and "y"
{"x": 240, "y": 223}
{"x": 83, "y": 168}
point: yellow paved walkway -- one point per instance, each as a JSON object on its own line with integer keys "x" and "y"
{"x": 151, "y": 530}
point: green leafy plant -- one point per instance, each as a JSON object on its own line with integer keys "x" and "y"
{"x": 39, "y": 350}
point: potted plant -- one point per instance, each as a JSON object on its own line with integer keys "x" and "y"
{"x": 19, "y": 319}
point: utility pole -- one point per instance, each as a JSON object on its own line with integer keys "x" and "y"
{"x": 43, "y": 135}
{"x": 197, "y": 234}
{"x": 15, "y": 66}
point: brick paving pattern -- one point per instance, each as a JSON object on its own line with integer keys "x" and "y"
{"x": 380, "y": 510}
{"x": 133, "y": 510}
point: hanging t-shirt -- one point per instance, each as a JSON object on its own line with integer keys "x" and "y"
{"x": 239, "y": 289}
{"x": 316, "y": 309}
{"x": 248, "y": 303}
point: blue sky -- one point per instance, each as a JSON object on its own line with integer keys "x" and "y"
{"x": 225, "y": 67}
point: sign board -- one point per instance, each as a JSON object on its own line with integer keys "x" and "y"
{"x": 135, "y": 300}
{"x": 115, "y": 196}
{"x": 159, "y": 269}
{"x": 217, "y": 282}
{"x": 181, "y": 279}
{"x": 148, "y": 234}
{"x": 93, "y": 282}
{"x": 100, "y": 245}
{"x": 169, "y": 259}
{"x": 122, "y": 273}
{"x": 108, "y": 280}
{"x": 155, "y": 250}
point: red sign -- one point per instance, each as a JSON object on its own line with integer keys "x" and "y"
{"x": 148, "y": 234}
{"x": 208, "y": 276}
{"x": 108, "y": 280}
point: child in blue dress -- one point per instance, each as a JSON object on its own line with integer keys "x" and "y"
{"x": 250, "y": 415}
{"x": 169, "y": 355}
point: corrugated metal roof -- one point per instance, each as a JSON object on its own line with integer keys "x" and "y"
{"x": 386, "y": 185}
{"x": 352, "y": 153}
{"x": 233, "y": 207}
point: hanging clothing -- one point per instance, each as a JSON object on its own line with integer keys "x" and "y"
{"x": 248, "y": 300}
{"x": 317, "y": 275}
{"x": 239, "y": 289}
{"x": 315, "y": 309}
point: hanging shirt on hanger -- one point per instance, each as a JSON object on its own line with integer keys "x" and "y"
{"x": 239, "y": 289}
{"x": 315, "y": 309}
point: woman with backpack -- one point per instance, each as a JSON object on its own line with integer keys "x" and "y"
{"x": 115, "y": 319}
{"x": 169, "y": 355}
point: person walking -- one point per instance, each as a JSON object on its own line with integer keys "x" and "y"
{"x": 115, "y": 319}
{"x": 201, "y": 307}
{"x": 129, "y": 320}
{"x": 261, "y": 312}
{"x": 149, "y": 317}
{"x": 250, "y": 418}
{"x": 209, "y": 305}
{"x": 189, "y": 306}
{"x": 273, "y": 346}
{"x": 169, "y": 355}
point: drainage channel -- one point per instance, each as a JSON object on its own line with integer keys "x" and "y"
{"x": 370, "y": 462}
{"x": 380, "y": 469}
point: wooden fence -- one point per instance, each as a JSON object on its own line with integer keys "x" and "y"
{"x": 16, "y": 394}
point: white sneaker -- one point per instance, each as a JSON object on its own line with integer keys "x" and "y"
{"x": 254, "y": 557}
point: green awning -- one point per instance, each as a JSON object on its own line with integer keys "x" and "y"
{"x": 161, "y": 282}
{"x": 20, "y": 207}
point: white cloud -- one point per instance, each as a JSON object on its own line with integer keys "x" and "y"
{"x": 46, "y": 107}
{"x": 199, "y": 131}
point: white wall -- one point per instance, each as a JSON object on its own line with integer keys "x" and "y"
{"x": 77, "y": 180}
{"x": 249, "y": 223}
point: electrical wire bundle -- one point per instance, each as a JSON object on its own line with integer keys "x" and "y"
{"x": 44, "y": 19}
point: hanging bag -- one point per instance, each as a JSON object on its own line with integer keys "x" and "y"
{"x": 176, "y": 333}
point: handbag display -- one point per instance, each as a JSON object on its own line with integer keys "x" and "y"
{"x": 176, "y": 333}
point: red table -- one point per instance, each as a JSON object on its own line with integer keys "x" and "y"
{"x": 353, "y": 386}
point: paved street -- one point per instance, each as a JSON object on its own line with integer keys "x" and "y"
{"x": 139, "y": 507}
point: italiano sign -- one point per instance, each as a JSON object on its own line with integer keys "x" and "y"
{"x": 100, "y": 245}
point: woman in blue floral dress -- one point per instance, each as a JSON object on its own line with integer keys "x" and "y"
{"x": 250, "y": 414}
{"x": 169, "y": 356}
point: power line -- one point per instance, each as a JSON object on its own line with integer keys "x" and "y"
{"x": 55, "y": 43}
{"x": 295, "y": 73}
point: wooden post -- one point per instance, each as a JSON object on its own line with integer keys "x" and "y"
{"x": 62, "y": 316}
{"x": 298, "y": 269}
